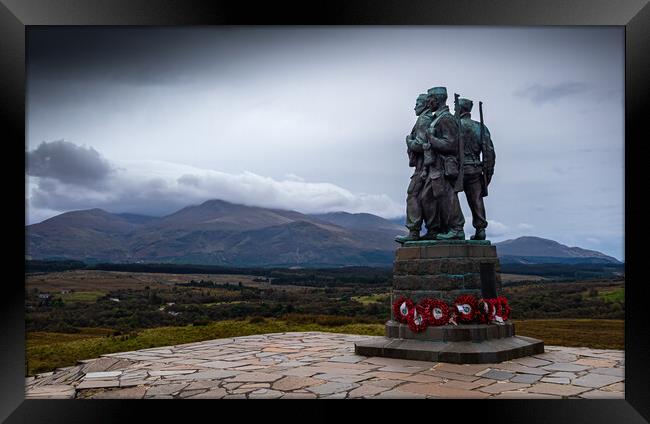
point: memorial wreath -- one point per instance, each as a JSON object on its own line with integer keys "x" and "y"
{"x": 416, "y": 319}
{"x": 436, "y": 311}
{"x": 401, "y": 309}
{"x": 464, "y": 309}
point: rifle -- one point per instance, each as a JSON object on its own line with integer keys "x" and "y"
{"x": 484, "y": 185}
{"x": 461, "y": 146}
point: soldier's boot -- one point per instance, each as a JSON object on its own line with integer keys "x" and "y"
{"x": 480, "y": 234}
{"x": 413, "y": 235}
{"x": 452, "y": 235}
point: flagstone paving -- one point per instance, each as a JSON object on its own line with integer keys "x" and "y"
{"x": 310, "y": 365}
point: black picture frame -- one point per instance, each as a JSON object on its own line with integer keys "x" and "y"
{"x": 17, "y": 15}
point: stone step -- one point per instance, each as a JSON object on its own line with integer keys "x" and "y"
{"x": 486, "y": 352}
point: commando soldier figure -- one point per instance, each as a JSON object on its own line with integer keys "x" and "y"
{"x": 444, "y": 172}
{"x": 478, "y": 165}
{"x": 414, "y": 142}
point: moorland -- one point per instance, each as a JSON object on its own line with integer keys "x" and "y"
{"x": 74, "y": 311}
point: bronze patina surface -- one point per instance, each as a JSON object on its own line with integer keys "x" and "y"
{"x": 450, "y": 153}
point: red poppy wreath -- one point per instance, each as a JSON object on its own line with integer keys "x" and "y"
{"x": 505, "y": 308}
{"x": 402, "y": 308}
{"x": 490, "y": 309}
{"x": 466, "y": 308}
{"x": 416, "y": 320}
{"x": 435, "y": 311}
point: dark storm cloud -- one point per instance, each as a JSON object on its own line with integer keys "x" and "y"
{"x": 142, "y": 57}
{"x": 68, "y": 163}
{"x": 543, "y": 93}
{"x": 102, "y": 54}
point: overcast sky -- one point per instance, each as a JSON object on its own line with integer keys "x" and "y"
{"x": 150, "y": 120}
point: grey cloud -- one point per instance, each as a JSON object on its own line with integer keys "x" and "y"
{"x": 68, "y": 163}
{"x": 190, "y": 180}
{"x": 159, "y": 188}
{"x": 544, "y": 93}
{"x": 497, "y": 229}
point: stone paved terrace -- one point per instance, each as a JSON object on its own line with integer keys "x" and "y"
{"x": 323, "y": 365}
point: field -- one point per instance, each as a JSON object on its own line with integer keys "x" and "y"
{"x": 107, "y": 281}
{"x": 613, "y": 295}
{"x": 603, "y": 299}
{"x": 507, "y": 278}
{"x": 81, "y": 314}
{"x": 373, "y": 298}
{"x": 594, "y": 333}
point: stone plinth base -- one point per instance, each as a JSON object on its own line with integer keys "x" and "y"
{"x": 450, "y": 269}
{"x": 445, "y": 270}
{"x": 461, "y": 344}
{"x": 452, "y": 333}
{"x": 466, "y": 352}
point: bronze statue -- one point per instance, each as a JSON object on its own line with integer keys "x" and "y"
{"x": 478, "y": 164}
{"x": 435, "y": 152}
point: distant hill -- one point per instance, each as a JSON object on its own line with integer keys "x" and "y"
{"x": 536, "y": 250}
{"x": 228, "y": 234}
{"x": 216, "y": 233}
{"x": 361, "y": 221}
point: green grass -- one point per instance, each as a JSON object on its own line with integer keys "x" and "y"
{"x": 81, "y": 297}
{"x": 594, "y": 333}
{"x": 47, "y": 351}
{"x": 223, "y": 303}
{"x": 43, "y": 338}
{"x": 617, "y": 295}
{"x": 373, "y": 298}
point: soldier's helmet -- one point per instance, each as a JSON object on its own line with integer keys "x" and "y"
{"x": 438, "y": 93}
{"x": 465, "y": 105}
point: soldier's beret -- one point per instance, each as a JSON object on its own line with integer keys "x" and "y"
{"x": 465, "y": 103}
{"x": 422, "y": 96}
{"x": 437, "y": 90}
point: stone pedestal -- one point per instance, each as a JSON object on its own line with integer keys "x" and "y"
{"x": 446, "y": 270}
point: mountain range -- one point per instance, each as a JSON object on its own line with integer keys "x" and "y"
{"x": 536, "y": 250}
{"x": 222, "y": 233}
